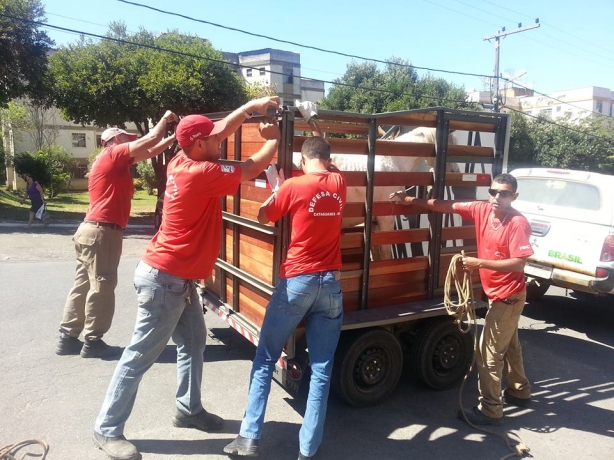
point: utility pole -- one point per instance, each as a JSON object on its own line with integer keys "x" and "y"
{"x": 496, "y": 97}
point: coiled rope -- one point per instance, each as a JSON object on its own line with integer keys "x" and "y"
{"x": 9, "y": 452}
{"x": 463, "y": 311}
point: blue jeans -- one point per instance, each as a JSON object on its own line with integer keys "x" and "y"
{"x": 315, "y": 297}
{"x": 168, "y": 307}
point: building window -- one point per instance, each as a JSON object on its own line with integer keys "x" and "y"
{"x": 599, "y": 107}
{"x": 262, "y": 71}
{"x": 78, "y": 139}
{"x": 81, "y": 170}
{"x": 248, "y": 72}
{"x": 546, "y": 113}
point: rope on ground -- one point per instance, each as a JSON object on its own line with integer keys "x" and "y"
{"x": 9, "y": 452}
{"x": 463, "y": 310}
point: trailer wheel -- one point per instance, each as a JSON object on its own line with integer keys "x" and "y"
{"x": 441, "y": 354}
{"x": 367, "y": 367}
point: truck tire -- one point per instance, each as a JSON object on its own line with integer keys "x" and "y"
{"x": 535, "y": 292}
{"x": 367, "y": 367}
{"x": 441, "y": 354}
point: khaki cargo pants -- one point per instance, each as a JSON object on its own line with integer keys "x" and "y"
{"x": 498, "y": 348}
{"x": 91, "y": 301}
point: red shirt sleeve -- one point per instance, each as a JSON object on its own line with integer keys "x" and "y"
{"x": 280, "y": 204}
{"x": 519, "y": 245}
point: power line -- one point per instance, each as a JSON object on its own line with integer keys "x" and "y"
{"x": 550, "y": 25}
{"x": 353, "y": 56}
{"x": 338, "y": 53}
{"x": 356, "y": 87}
{"x": 541, "y": 32}
{"x": 195, "y": 56}
{"x": 569, "y": 128}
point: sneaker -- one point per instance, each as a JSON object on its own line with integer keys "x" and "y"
{"x": 243, "y": 447}
{"x": 514, "y": 401}
{"x": 99, "y": 349}
{"x": 117, "y": 448}
{"x": 303, "y": 457}
{"x": 68, "y": 345}
{"x": 476, "y": 417}
{"x": 202, "y": 421}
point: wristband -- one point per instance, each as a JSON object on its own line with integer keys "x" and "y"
{"x": 245, "y": 112}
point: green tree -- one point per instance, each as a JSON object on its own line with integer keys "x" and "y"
{"x": 23, "y": 59}
{"x": 147, "y": 175}
{"x": 110, "y": 83}
{"x": 51, "y": 166}
{"x": 397, "y": 87}
{"x": 586, "y": 146}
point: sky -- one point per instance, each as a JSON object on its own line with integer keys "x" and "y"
{"x": 572, "y": 48}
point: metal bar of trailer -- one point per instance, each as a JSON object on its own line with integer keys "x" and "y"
{"x": 221, "y": 280}
{"x": 240, "y": 274}
{"x": 236, "y": 210}
{"x": 436, "y": 218}
{"x": 245, "y": 222}
{"x": 364, "y": 298}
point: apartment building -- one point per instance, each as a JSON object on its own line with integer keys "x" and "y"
{"x": 576, "y": 103}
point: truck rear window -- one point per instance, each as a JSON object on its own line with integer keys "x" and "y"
{"x": 559, "y": 193}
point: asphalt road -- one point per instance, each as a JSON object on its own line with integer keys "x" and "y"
{"x": 568, "y": 348}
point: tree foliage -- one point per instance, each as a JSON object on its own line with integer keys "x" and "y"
{"x": 23, "y": 58}
{"x": 110, "y": 83}
{"x": 51, "y": 166}
{"x": 587, "y": 146}
{"x": 365, "y": 88}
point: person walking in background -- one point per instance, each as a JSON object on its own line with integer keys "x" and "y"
{"x": 308, "y": 288}
{"x": 37, "y": 198}
{"x": 90, "y": 304}
{"x": 185, "y": 249}
{"x": 503, "y": 247}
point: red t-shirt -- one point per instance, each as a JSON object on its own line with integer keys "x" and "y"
{"x": 110, "y": 186}
{"x": 188, "y": 241}
{"x": 315, "y": 202}
{"x": 509, "y": 240}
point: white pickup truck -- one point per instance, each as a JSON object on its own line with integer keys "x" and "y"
{"x": 572, "y": 220}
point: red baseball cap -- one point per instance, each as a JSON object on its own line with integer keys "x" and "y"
{"x": 194, "y": 127}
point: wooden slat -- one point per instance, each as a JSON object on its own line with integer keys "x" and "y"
{"x": 413, "y": 235}
{"x": 334, "y": 127}
{"x": 472, "y": 126}
{"x": 382, "y": 178}
{"x": 458, "y": 233}
{"x": 470, "y": 150}
{"x": 463, "y": 180}
{"x": 382, "y": 267}
{"x": 410, "y": 119}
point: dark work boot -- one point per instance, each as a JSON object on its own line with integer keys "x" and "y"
{"x": 201, "y": 421}
{"x": 243, "y": 447}
{"x": 99, "y": 349}
{"x": 68, "y": 345}
{"x": 117, "y": 448}
{"x": 514, "y": 401}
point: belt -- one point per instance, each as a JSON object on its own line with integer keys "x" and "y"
{"x": 104, "y": 224}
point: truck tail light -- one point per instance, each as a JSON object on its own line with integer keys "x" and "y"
{"x": 607, "y": 255}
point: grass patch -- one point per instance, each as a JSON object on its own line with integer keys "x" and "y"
{"x": 72, "y": 206}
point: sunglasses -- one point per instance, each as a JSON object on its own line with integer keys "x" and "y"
{"x": 502, "y": 193}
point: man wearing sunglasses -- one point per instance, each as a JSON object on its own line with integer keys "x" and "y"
{"x": 503, "y": 247}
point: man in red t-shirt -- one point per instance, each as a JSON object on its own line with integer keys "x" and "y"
{"x": 90, "y": 304}
{"x": 308, "y": 288}
{"x": 503, "y": 247}
{"x": 184, "y": 249}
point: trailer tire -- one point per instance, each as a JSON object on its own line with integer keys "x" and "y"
{"x": 441, "y": 354}
{"x": 367, "y": 367}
